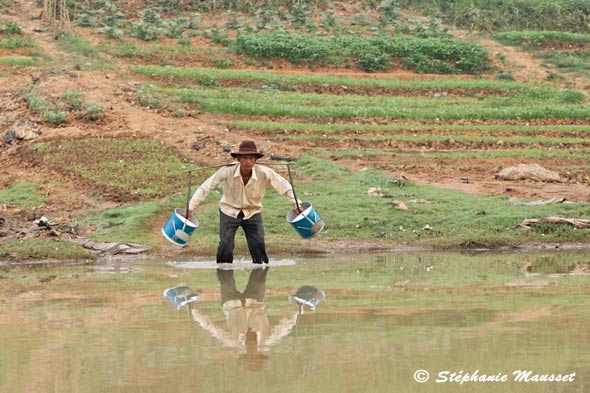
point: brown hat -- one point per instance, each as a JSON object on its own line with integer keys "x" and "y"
{"x": 247, "y": 147}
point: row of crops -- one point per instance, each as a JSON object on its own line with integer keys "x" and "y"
{"x": 415, "y": 123}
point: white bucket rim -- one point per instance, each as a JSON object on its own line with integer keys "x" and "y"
{"x": 293, "y": 216}
{"x": 193, "y": 222}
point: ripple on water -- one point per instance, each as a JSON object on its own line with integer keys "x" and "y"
{"x": 238, "y": 265}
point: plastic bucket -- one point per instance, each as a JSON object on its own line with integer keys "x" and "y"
{"x": 308, "y": 223}
{"x": 178, "y": 229}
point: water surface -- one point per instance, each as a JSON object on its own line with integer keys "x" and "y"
{"x": 333, "y": 324}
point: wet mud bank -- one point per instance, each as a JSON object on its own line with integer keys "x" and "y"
{"x": 320, "y": 249}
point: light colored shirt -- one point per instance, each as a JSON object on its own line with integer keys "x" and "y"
{"x": 252, "y": 315}
{"x": 238, "y": 196}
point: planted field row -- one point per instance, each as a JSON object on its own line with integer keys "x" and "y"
{"x": 574, "y": 132}
{"x": 580, "y": 155}
{"x": 537, "y": 38}
{"x": 436, "y": 55}
{"x": 437, "y": 141}
{"x": 485, "y": 15}
{"x": 324, "y": 106}
{"x": 17, "y": 61}
{"x": 325, "y": 83}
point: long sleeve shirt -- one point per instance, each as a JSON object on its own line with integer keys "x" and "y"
{"x": 252, "y": 315}
{"x": 238, "y": 196}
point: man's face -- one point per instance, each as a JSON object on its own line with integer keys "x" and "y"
{"x": 247, "y": 161}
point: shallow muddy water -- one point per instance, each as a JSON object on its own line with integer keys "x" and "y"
{"x": 369, "y": 323}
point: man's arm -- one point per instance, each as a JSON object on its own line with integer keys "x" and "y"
{"x": 204, "y": 189}
{"x": 283, "y": 187}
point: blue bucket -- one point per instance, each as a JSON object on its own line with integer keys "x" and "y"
{"x": 308, "y": 223}
{"x": 178, "y": 229}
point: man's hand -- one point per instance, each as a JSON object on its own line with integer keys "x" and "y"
{"x": 189, "y": 215}
{"x": 297, "y": 209}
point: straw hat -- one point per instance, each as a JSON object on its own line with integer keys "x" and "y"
{"x": 247, "y": 147}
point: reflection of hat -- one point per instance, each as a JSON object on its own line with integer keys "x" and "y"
{"x": 181, "y": 295}
{"x": 247, "y": 147}
{"x": 307, "y": 296}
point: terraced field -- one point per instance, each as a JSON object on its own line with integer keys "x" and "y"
{"x": 450, "y": 125}
{"x": 120, "y": 119}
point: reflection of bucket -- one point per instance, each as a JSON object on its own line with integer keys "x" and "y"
{"x": 178, "y": 229}
{"x": 307, "y": 223}
{"x": 181, "y": 295}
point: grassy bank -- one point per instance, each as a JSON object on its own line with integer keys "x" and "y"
{"x": 456, "y": 219}
{"x": 436, "y": 218}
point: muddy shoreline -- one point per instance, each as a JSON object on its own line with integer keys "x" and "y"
{"x": 346, "y": 248}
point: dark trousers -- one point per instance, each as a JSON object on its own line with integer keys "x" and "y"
{"x": 254, "y": 290}
{"x": 254, "y": 230}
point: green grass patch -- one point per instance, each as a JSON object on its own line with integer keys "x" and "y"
{"x": 22, "y": 249}
{"x": 22, "y": 194}
{"x": 349, "y": 212}
{"x": 129, "y": 49}
{"x": 126, "y": 223}
{"x": 568, "y": 61}
{"x": 18, "y": 61}
{"x": 139, "y": 168}
{"x": 76, "y": 44}
{"x": 15, "y": 42}
{"x": 84, "y": 54}
{"x": 319, "y": 169}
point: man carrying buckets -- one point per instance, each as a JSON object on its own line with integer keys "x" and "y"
{"x": 241, "y": 203}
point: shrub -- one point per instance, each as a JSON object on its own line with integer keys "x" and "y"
{"x": 13, "y": 42}
{"x": 12, "y": 28}
{"x": 93, "y": 111}
{"x": 57, "y": 117}
{"x": 572, "y": 97}
{"x": 223, "y": 63}
{"x": 73, "y": 98}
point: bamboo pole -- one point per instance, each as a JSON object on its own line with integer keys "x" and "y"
{"x": 235, "y": 163}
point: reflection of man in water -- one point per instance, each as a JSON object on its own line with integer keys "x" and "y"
{"x": 248, "y": 326}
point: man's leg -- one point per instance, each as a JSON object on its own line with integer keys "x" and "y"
{"x": 227, "y": 232}
{"x": 254, "y": 230}
{"x": 256, "y": 284}
{"x": 227, "y": 284}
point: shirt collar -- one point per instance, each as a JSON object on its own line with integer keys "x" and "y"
{"x": 237, "y": 171}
